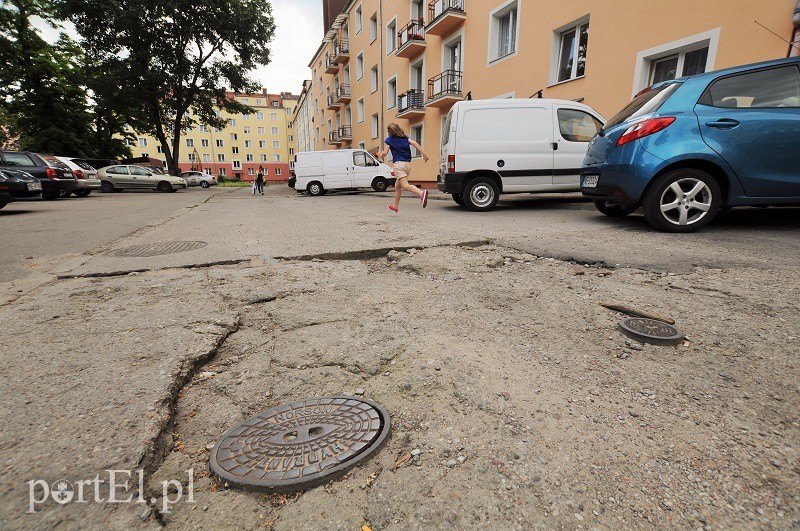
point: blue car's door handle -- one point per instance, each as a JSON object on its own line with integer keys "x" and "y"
{"x": 723, "y": 123}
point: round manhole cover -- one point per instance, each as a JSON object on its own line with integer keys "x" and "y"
{"x": 651, "y": 331}
{"x": 157, "y": 249}
{"x": 300, "y": 445}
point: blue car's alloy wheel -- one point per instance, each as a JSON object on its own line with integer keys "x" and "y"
{"x": 682, "y": 200}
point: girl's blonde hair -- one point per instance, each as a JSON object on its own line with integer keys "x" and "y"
{"x": 396, "y": 130}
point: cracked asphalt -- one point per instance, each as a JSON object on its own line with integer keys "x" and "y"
{"x": 515, "y": 401}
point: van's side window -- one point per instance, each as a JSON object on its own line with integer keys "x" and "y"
{"x": 577, "y": 126}
{"x": 360, "y": 159}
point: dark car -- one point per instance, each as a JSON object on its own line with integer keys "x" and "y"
{"x": 684, "y": 149}
{"x": 18, "y": 186}
{"x": 55, "y": 176}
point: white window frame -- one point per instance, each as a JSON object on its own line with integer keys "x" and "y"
{"x": 391, "y": 103}
{"x": 391, "y": 37}
{"x": 358, "y": 15}
{"x": 411, "y": 68}
{"x": 275, "y": 131}
{"x": 276, "y": 144}
{"x": 494, "y": 32}
{"x": 375, "y": 80}
{"x": 645, "y": 58}
{"x": 237, "y": 164}
{"x": 361, "y": 110}
{"x": 375, "y": 124}
{"x": 360, "y": 66}
{"x": 189, "y": 142}
{"x": 415, "y": 154}
{"x": 248, "y": 143}
{"x": 373, "y": 28}
{"x": 555, "y": 50}
{"x": 459, "y": 36}
{"x": 220, "y": 143}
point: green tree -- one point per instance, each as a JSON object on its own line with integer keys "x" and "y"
{"x": 177, "y": 58}
{"x": 40, "y": 89}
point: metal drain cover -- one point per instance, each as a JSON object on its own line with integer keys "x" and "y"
{"x": 157, "y": 249}
{"x": 300, "y": 445}
{"x": 650, "y": 331}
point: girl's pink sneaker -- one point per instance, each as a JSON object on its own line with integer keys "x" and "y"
{"x": 392, "y": 208}
{"x": 424, "y": 198}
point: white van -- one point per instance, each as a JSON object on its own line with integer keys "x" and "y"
{"x": 317, "y": 172}
{"x": 499, "y": 146}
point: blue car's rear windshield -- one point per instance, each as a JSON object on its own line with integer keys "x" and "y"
{"x": 645, "y": 103}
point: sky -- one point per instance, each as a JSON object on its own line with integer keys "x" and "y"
{"x": 298, "y": 35}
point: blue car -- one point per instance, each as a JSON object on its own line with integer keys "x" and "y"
{"x": 684, "y": 149}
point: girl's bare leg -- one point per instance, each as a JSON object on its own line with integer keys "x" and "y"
{"x": 409, "y": 187}
{"x": 398, "y": 191}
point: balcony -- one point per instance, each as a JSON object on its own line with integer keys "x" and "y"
{"x": 411, "y": 40}
{"x": 343, "y": 94}
{"x": 345, "y": 133}
{"x": 331, "y": 66}
{"x": 411, "y": 105}
{"x": 332, "y": 103}
{"x": 445, "y": 89}
{"x": 341, "y": 51}
{"x": 445, "y": 16}
{"x": 333, "y": 138}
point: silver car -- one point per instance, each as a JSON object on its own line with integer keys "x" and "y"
{"x": 198, "y": 178}
{"x": 86, "y": 175}
{"x": 132, "y": 177}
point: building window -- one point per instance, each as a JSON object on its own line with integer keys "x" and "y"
{"x": 204, "y": 142}
{"x": 189, "y": 142}
{"x": 572, "y": 47}
{"x": 391, "y": 36}
{"x": 249, "y": 157}
{"x": 142, "y": 142}
{"x": 206, "y": 157}
{"x": 262, "y": 130}
{"x": 391, "y": 93}
{"x": 231, "y": 123}
{"x": 235, "y": 150}
{"x": 373, "y": 78}
{"x": 373, "y": 28}
{"x": 207, "y": 171}
{"x": 259, "y": 115}
{"x": 220, "y": 143}
{"x": 362, "y": 145}
{"x": 262, "y": 144}
{"x": 291, "y": 138}
{"x": 276, "y": 144}
{"x": 248, "y": 143}
{"x": 415, "y": 134}
{"x": 277, "y": 171}
{"x": 684, "y": 57}
{"x": 504, "y": 31}
{"x": 360, "y": 66}
{"x": 274, "y": 130}
{"x": 159, "y": 149}
{"x": 276, "y": 158}
{"x": 685, "y": 63}
{"x": 359, "y": 21}
{"x": 258, "y": 102}
{"x": 375, "y": 131}
{"x": 234, "y": 136}
{"x": 203, "y": 129}
{"x": 360, "y": 110}
{"x": 251, "y": 171}
{"x": 266, "y": 170}
{"x": 192, "y": 158}
{"x": 291, "y": 151}
{"x": 247, "y": 130}
{"x": 237, "y": 164}
{"x": 263, "y": 157}
{"x": 245, "y": 117}
{"x": 244, "y": 100}
{"x": 221, "y": 157}
{"x": 273, "y": 116}
{"x": 222, "y": 171}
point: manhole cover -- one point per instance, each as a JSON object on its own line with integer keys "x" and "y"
{"x": 651, "y": 331}
{"x": 157, "y": 249}
{"x": 300, "y": 445}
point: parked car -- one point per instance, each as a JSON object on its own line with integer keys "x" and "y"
{"x": 684, "y": 149}
{"x": 18, "y": 186}
{"x": 86, "y": 175}
{"x": 507, "y": 146}
{"x": 54, "y": 176}
{"x": 124, "y": 177}
{"x": 345, "y": 169}
{"x": 198, "y": 178}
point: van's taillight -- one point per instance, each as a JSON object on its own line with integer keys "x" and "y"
{"x": 451, "y": 163}
{"x": 645, "y": 128}
{"x": 51, "y": 173}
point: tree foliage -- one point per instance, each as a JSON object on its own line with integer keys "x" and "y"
{"x": 169, "y": 60}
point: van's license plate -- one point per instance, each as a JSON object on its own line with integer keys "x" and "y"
{"x": 590, "y": 181}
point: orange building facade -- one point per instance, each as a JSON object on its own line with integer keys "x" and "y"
{"x": 409, "y": 61}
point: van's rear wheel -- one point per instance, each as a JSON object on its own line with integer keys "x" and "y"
{"x": 481, "y": 194}
{"x": 379, "y": 184}
{"x": 316, "y": 189}
{"x": 614, "y": 210}
{"x": 459, "y": 199}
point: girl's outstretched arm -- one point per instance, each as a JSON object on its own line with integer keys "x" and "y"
{"x": 419, "y": 148}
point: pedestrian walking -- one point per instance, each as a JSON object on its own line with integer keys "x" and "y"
{"x": 260, "y": 180}
{"x": 400, "y": 145}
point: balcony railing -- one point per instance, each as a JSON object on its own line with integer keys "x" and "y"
{"x": 343, "y": 94}
{"x": 411, "y": 103}
{"x": 444, "y": 16}
{"x": 346, "y": 133}
{"x": 331, "y": 66}
{"x": 445, "y": 88}
{"x": 332, "y": 102}
{"x": 341, "y": 51}
{"x": 333, "y": 138}
{"x": 411, "y": 39}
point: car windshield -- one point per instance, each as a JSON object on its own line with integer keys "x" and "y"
{"x": 646, "y": 102}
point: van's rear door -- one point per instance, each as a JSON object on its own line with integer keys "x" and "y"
{"x": 514, "y": 141}
{"x": 337, "y": 168}
{"x": 573, "y": 128}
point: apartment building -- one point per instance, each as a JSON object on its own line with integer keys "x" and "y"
{"x": 409, "y": 61}
{"x": 265, "y": 138}
{"x": 304, "y": 119}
